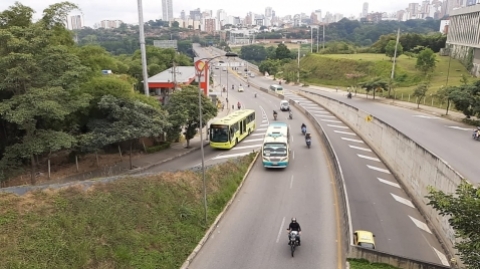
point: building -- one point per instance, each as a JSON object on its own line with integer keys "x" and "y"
{"x": 209, "y": 25}
{"x": 163, "y": 84}
{"x": 108, "y": 24}
{"x": 182, "y": 15}
{"x": 268, "y": 12}
{"x": 221, "y": 18}
{"x": 365, "y": 10}
{"x": 167, "y": 10}
{"x": 196, "y": 14}
{"x": 463, "y": 40}
{"x": 76, "y": 22}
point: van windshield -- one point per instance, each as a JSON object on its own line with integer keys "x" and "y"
{"x": 366, "y": 245}
{"x": 274, "y": 149}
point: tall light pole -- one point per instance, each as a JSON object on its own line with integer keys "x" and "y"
{"x": 317, "y": 37}
{"x": 323, "y": 36}
{"x": 311, "y": 39}
{"x": 142, "y": 48}
{"x": 392, "y": 75}
{"x": 298, "y": 62}
{"x": 199, "y": 74}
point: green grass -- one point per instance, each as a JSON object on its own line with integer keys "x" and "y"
{"x": 364, "y": 264}
{"x": 151, "y": 222}
{"x": 330, "y": 70}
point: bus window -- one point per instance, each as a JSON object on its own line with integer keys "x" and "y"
{"x": 219, "y": 133}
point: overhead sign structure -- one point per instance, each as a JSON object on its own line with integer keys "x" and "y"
{"x": 166, "y": 44}
{"x": 231, "y": 64}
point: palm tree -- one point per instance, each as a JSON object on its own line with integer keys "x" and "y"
{"x": 374, "y": 85}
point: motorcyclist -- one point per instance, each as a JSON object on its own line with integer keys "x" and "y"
{"x": 294, "y": 226}
{"x": 349, "y": 95}
{"x": 304, "y": 127}
{"x": 290, "y": 115}
{"x": 307, "y": 136}
{"x": 233, "y": 87}
{"x": 239, "y": 105}
{"x": 274, "y": 114}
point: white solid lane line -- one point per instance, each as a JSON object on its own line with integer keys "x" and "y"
{"x": 368, "y": 158}
{"x": 333, "y": 121}
{"x": 389, "y": 183}
{"x": 321, "y": 112}
{"x": 291, "y": 182}
{"x": 325, "y": 116}
{"x": 402, "y": 200}
{"x": 252, "y": 140}
{"x": 344, "y": 133}
{"x": 257, "y": 134}
{"x": 360, "y": 148}
{"x": 352, "y": 140}
{"x": 421, "y": 225}
{"x": 378, "y": 169}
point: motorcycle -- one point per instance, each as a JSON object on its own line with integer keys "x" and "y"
{"x": 476, "y": 134}
{"x": 293, "y": 241}
{"x": 290, "y": 115}
{"x": 349, "y": 95}
{"x": 255, "y": 95}
{"x": 304, "y": 130}
{"x": 275, "y": 116}
{"x": 308, "y": 140}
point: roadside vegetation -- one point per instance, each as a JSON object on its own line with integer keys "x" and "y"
{"x": 364, "y": 264}
{"x": 76, "y": 108}
{"x": 149, "y": 222}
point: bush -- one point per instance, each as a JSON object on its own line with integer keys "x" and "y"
{"x": 158, "y": 148}
{"x": 471, "y": 122}
{"x": 365, "y": 264}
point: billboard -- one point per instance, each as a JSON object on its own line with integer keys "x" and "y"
{"x": 166, "y": 44}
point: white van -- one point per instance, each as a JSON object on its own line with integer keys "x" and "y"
{"x": 284, "y": 105}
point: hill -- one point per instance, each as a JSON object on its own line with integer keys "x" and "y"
{"x": 333, "y": 70}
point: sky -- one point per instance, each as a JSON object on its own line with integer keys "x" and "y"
{"x": 126, "y": 10}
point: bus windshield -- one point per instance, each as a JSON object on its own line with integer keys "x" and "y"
{"x": 219, "y": 133}
{"x": 274, "y": 149}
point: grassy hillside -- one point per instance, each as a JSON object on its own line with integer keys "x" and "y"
{"x": 364, "y": 264}
{"x": 331, "y": 70}
{"x": 150, "y": 222}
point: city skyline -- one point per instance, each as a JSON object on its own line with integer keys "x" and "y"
{"x": 94, "y": 12}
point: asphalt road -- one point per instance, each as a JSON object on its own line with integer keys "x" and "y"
{"x": 253, "y": 232}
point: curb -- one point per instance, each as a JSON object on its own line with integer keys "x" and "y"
{"x": 143, "y": 168}
{"x": 219, "y": 218}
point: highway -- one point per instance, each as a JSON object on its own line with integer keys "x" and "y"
{"x": 377, "y": 202}
{"x": 252, "y": 234}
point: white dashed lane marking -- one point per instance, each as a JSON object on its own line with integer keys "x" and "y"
{"x": 344, "y": 133}
{"x": 378, "y": 169}
{"x": 442, "y": 257}
{"x": 337, "y": 126}
{"x": 352, "y": 140}
{"x": 421, "y": 225}
{"x": 332, "y": 121}
{"x": 231, "y": 155}
{"x": 368, "y": 158}
{"x": 402, "y": 200}
{"x": 388, "y": 183}
{"x": 360, "y": 148}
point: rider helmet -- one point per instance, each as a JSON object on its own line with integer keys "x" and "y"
{"x": 294, "y": 220}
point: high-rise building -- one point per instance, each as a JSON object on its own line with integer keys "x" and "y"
{"x": 195, "y": 14}
{"x": 210, "y": 25}
{"x": 76, "y": 22}
{"x": 110, "y": 24}
{"x": 318, "y": 14}
{"x": 167, "y": 10}
{"x": 182, "y": 15}
{"x": 365, "y": 10}
{"x": 268, "y": 12}
{"x": 221, "y": 18}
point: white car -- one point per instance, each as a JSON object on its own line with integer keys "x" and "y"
{"x": 284, "y": 105}
{"x": 240, "y": 89}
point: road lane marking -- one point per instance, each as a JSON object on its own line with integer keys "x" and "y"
{"x": 389, "y": 183}
{"x": 293, "y": 155}
{"x": 257, "y": 134}
{"x": 352, "y": 140}
{"x": 337, "y": 126}
{"x": 360, "y": 148}
{"x": 425, "y": 117}
{"x": 459, "y": 128}
{"x": 252, "y": 140}
{"x": 280, "y": 230}
{"x": 326, "y": 116}
{"x": 345, "y": 133}
{"x": 230, "y": 156}
{"x": 402, "y": 200}
{"x": 368, "y": 158}
{"x": 247, "y": 147}
{"x": 322, "y": 112}
{"x": 442, "y": 257}
{"x": 332, "y": 121}
{"x": 421, "y": 225}
{"x": 261, "y": 129}
{"x": 379, "y": 169}
{"x": 291, "y": 182}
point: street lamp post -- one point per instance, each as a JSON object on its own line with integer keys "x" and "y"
{"x": 199, "y": 74}
{"x": 142, "y": 48}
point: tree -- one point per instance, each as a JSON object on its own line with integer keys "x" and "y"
{"x": 420, "y": 92}
{"x": 426, "y": 61}
{"x": 175, "y": 24}
{"x": 462, "y": 209}
{"x": 466, "y": 98}
{"x": 183, "y": 112}
{"x": 444, "y": 94}
{"x": 125, "y": 120}
{"x": 390, "y": 49}
{"x": 270, "y": 66}
{"x": 45, "y": 73}
{"x": 253, "y": 52}
{"x": 282, "y": 52}
{"x": 374, "y": 85}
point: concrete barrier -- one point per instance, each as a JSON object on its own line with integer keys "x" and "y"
{"x": 397, "y": 261}
{"x": 414, "y": 166}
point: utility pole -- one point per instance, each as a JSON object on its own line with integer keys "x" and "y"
{"x": 394, "y": 62}
{"x": 323, "y": 36}
{"x": 311, "y": 39}
{"x": 174, "y": 71}
{"x": 318, "y": 28}
{"x": 142, "y": 48}
{"x": 298, "y": 62}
